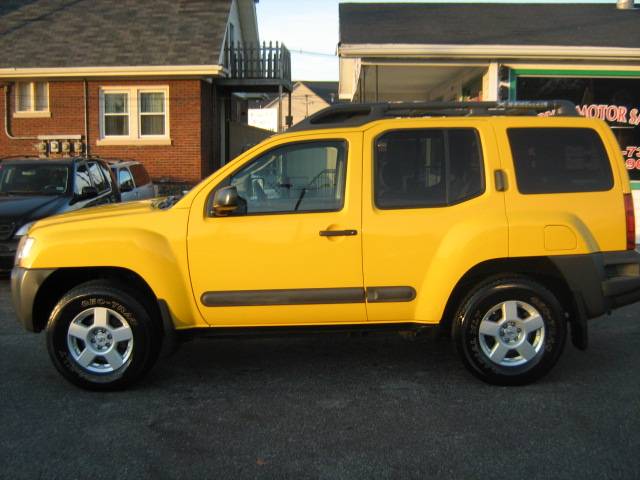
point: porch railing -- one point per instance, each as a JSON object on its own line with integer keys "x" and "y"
{"x": 258, "y": 62}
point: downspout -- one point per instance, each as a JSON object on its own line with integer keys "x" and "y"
{"x": 6, "y": 117}
{"x": 86, "y": 121}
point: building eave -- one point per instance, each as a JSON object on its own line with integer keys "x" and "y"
{"x": 529, "y": 52}
{"x": 118, "y": 71}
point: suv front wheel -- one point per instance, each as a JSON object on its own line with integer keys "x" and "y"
{"x": 510, "y": 330}
{"x": 101, "y": 338}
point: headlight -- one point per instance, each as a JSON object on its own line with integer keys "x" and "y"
{"x": 22, "y": 231}
{"x": 24, "y": 249}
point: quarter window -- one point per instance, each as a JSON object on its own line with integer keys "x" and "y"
{"x": 559, "y": 160}
{"x": 427, "y": 168}
{"x": 32, "y": 97}
{"x": 306, "y": 177}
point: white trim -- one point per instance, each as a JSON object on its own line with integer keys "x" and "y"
{"x": 60, "y": 137}
{"x": 137, "y": 71}
{"x": 116, "y": 141}
{"x": 491, "y": 83}
{"x": 29, "y": 114}
{"x": 134, "y": 136}
{"x": 570, "y": 66}
{"x": 488, "y": 51}
{"x": 423, "y": 63}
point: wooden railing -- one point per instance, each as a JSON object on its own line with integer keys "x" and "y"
{"x": 258, "y": 62}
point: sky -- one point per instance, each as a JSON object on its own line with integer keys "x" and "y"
{"x": 309, "y": 29}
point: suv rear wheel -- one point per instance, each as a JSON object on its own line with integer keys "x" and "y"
{"x": 510, "y": 330}
{"x": 101, "y": 338}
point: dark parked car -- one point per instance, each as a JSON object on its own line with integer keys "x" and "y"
{"x": 32, "y": 188}
{"x": 133, "y": 180}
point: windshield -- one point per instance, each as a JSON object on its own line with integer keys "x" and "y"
{"x": 33, "y": 179}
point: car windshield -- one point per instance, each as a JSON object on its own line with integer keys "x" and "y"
{"x": 33, "y": 179}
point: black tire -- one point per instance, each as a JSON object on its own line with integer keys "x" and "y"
{"x": 487, "y": 304}
{"x": 138, "y": 353}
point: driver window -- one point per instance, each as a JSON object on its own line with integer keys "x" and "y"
{"x": 304, "y": 177}
{"x": 96, "y": 175}
{"x": 124, "y": 178}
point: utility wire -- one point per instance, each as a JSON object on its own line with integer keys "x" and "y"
{"x": 309, "y": 52}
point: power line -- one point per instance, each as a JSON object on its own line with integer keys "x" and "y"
{"x": 316, "y": 54}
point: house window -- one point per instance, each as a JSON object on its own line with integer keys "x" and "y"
{"x": 32, "y": 97}
{"x": 152, "y": 117}
{"x": 116, "y": 114}
{"x": 134, "y": 115}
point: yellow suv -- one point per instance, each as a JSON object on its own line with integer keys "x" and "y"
{"x": 497, "y": 223}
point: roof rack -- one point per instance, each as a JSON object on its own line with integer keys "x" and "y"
{"x": 356, "y": 114}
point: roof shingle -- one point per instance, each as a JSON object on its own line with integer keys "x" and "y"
{"x": 97, "y": 33}
{"x": 594, "y": 25}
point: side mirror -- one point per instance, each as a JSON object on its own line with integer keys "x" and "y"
{"x": 87, "y": 193}
{"x": 225, "y": 201}
{"x": 126, "y": 187}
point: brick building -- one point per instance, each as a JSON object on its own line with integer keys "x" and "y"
{"x": 158, "y": 81}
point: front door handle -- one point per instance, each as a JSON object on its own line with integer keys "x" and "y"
{"x": 338, "y": 233}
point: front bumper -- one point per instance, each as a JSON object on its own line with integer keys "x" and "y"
{"x": 601, "y": 281}
{"x": 25, "y": 284}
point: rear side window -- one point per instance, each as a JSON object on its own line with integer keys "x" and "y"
{"x": 140, "y": 175}
{"x": 427, "y": 168}
{"x": 559, "y": 160}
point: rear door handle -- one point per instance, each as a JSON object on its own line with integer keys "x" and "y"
{"x": 338, "y": 233}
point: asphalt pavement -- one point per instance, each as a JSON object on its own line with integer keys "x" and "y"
{"x": 328, "y": 407}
